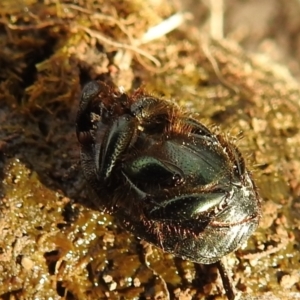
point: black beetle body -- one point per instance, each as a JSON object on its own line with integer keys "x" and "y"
{"x": 165, "y": 176}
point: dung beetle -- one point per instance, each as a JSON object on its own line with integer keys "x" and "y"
{"x": 165, "y": 176}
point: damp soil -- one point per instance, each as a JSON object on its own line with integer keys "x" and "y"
{"x": 53, "y": 243}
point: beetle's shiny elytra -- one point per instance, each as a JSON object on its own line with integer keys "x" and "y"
{"x": 165, "y": 176}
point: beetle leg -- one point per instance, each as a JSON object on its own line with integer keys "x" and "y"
{"x": 89, "y": 102}
{"x": 153, "y": 170}
{"x": 139, "y": 193}
{"x": 206, "y": 202}
{"x": 196, "y": 127}
{"x": 117, "y": 138}
{"x": 226, "y": 279}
